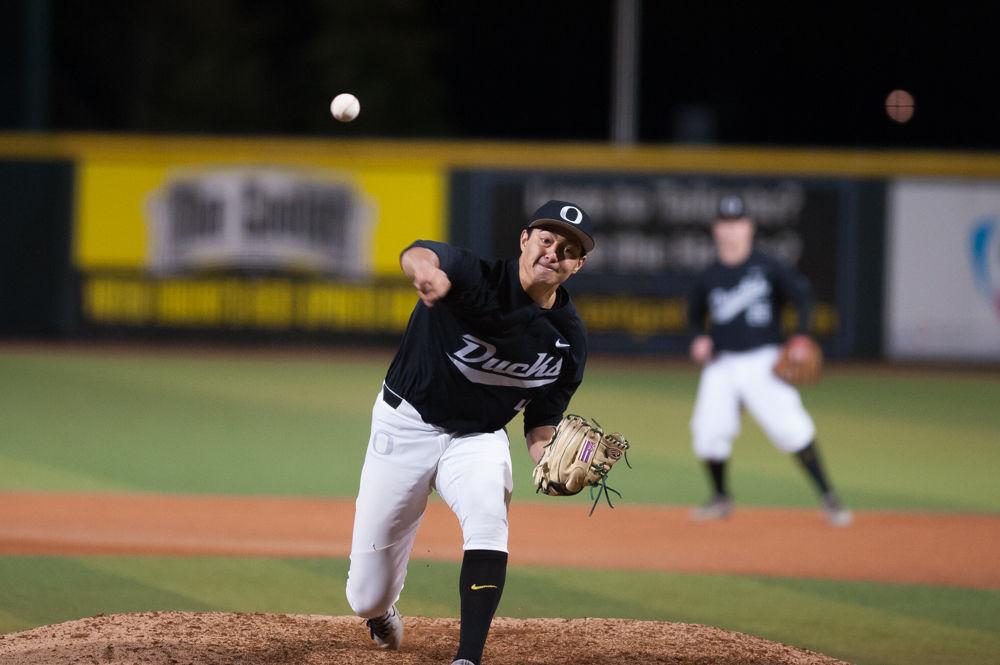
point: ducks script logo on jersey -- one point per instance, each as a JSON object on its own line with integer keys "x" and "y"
{"x": 751, "y": 295}
{"x": 478, "y": 363}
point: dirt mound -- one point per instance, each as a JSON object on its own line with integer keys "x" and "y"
{"x": 216, "y": 638}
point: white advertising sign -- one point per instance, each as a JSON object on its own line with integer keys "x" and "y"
{"x": 943, "y": 271}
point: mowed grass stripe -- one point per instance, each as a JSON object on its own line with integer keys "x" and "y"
{"x": 238, "y": 584}
{"x": 125, "y": 424}
{"x": 39, "y": 591}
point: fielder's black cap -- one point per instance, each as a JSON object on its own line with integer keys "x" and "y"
{"x": 570, "y": 217}
{"x": 731, "y": 206}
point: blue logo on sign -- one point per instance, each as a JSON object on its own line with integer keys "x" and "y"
{"x": 985, "y": 258}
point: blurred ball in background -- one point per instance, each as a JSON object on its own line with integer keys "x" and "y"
{"x": 899, "y": 106}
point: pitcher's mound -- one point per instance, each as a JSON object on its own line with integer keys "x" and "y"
{"x": 216, "y": 638}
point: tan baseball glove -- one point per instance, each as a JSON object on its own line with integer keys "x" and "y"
{"x": 579, "y": 455}
{"x": 800, "y": 362}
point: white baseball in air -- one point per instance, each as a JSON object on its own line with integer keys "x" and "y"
{"x": 345, "y": 107}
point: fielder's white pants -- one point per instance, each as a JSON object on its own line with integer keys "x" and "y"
{"x": 746, "y": 378}
{"x": 406, "y": 459}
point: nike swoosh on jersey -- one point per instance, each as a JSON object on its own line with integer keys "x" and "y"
{"x": 561, "y": 344}
{"x": 479, "y": 587}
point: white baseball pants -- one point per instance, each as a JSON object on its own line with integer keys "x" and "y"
{"x": 406, "y": 459}
{"x": 746, "y": 378}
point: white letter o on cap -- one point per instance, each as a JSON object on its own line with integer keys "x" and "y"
{"x": 565, "y": 212}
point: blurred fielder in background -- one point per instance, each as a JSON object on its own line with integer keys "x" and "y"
{"x": 490, "y": 338}
{"x": 739, "y": 298}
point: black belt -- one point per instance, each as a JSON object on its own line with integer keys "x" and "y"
{"x": 391, "y": 398}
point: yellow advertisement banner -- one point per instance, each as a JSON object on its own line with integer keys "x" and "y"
{"x": 322, "y": 306}
{"x": 240, "y": 303}
{"x": 126, "y": 204}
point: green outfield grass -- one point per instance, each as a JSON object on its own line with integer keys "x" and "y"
{"x": 867, "y": 624}
{"x": 298, "y": 425}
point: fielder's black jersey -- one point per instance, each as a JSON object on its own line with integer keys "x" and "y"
{"x": 486, "y": 350}
{"x": 743, "y": 303}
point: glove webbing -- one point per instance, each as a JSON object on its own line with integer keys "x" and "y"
{"x": 603, "y": 488}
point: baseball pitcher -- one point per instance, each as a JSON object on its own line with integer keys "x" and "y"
{"x": 488, "y": 339}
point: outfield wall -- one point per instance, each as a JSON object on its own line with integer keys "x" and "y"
{"x": 299, "y": 239}
{"x": 37, "y": 285}
{"x": 943, "y": 270}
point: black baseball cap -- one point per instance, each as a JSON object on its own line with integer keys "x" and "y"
{"x": 731, "y": 207}
{"x": 569, "y": 217}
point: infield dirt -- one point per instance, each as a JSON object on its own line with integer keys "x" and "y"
{"x": 951, "y": 549}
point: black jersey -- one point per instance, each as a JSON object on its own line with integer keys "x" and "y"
{"x": 744, "y": 302}
{"x": 486, "y": 350}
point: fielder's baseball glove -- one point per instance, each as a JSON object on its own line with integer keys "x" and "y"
{"x": 800, "y": 362}
{"x": 579, "y": 455}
